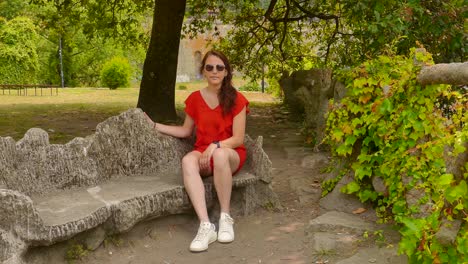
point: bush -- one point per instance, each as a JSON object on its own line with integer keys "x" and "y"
{"x": 182, "y": 87}
{"x": 116, "y": 73}
{"x": 250, "y": 87}
{"x": 392, "y": 129}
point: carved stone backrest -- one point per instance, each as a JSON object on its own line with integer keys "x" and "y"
{"x": 123, "y": 145}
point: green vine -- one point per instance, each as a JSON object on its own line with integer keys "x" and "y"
{"x": 391, "y": 128}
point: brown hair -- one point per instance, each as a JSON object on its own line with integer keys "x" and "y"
{"x": 227, "y": 94}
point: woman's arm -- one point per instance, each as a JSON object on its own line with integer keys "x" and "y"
{"x": 176, "y": 131}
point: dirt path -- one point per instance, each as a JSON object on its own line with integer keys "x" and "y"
{"x": 268, "y": 236}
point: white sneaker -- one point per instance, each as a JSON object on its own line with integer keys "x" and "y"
{"x": 206, "y": 235}
{"x": 226, "y": 230}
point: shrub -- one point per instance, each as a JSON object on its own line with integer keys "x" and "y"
{"x": 182, "y": 87}
{"x": 76, "y": 252}
{"x": 391, "y": 128}
{"x": 116, "y": 73}
{"x": 250, "y": 87}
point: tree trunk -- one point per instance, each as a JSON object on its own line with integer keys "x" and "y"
{"x": 451, "y": 73}
{"x": 157, "y": 90}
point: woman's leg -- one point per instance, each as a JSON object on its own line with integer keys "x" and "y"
{"x": 194, "y": 185}
{"x": 225, "y": 163}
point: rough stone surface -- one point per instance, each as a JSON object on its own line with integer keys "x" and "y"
{"x": 415, "y": 195}
{"x": 375, "y": 255}
{"x": 10, "y": 248}
{"x": 111, "y": 180}
{"x": 448, "y": 232}
{"x": 334, "y": 242}
{"x": 379, "y": 184}
{"x": 334, "y": 221}
{"x": 446, "y": 73}
{"x": 122, "y": 145}
{"x": 93, "y": 238}
{"x": 455, "y": 164}
{"x": 347, "y": 203}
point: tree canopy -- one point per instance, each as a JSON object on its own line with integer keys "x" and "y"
{"x": 289, "y": 35}
{"x": 18, "y": 57}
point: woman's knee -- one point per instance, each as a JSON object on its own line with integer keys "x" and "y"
{"x": 190, "y": 161}
{"x": 220, "y": 157}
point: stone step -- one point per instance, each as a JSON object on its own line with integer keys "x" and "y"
{"x": 376, "y": 255}
{"x": 339, "y": 222}
{"x": 334, "y": 242}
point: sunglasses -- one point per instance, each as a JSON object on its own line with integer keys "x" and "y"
{"x": 209, "y": 67}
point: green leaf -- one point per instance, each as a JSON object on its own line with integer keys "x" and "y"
{"x": 444, "y": 180}
{"x": 386, "y": 107}
{"x": 350, "y": 140}
{"x": 458, "y": 192}
{"x": 360, "y": 82}
{"x": 351, "y": 187}
{"x": 367, "y": 195}
{"x": 344, "y": 149}
{"x": 407, "y": 245}
{"x": 418, "y": 126}
{"x": 337, "y": 134}
{"x": 413, "y": 226}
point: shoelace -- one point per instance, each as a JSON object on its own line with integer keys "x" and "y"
{"x": 225, "y": 228}
{"x": 202, "y": 233}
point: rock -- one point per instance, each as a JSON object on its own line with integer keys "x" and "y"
{"x": 375, "y": 255}
{"x": 448, "y": 232}
{"x": 34, "y": 139}
{"x": 11, "y": 248}
{"x": 334, "y": 242}
{"x": 94, "y": 238}
{"x": 379, "y": 184}
{"x": 414, "y": 195}
{"x": 338, "y": 201}
{"x": 334, "y": 221}
{"x": 455, "y": 164}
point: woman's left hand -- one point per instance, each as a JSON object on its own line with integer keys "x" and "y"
{"x": 205, "y": 168}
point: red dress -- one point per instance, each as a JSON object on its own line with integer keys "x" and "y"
{"x": 210, "y": 123}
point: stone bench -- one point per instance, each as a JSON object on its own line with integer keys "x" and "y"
{"x": 113, "y": 179}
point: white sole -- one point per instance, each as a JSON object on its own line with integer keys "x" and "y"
{"x": 204, "y": 249}
{"x": 225, "y": 241}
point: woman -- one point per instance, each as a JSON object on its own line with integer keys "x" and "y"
{"x": 218, "y": 112}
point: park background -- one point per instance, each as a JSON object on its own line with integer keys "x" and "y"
{"x": 76, "y": 44}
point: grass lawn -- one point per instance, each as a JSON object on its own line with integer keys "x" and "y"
{"x": 76, "y": 111}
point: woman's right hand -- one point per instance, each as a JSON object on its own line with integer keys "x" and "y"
{"x": 204, "y": 162}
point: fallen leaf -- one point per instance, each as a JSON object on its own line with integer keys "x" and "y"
{"x": 359, "y": 210}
